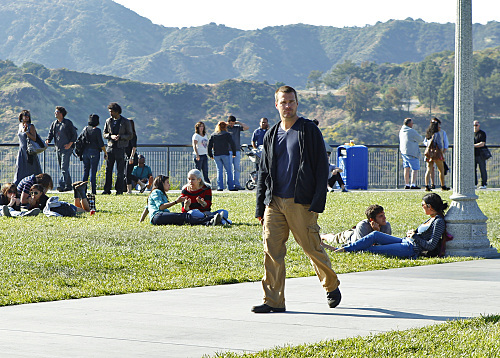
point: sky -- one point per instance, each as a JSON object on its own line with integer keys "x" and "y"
{"x": 257, "y": 14}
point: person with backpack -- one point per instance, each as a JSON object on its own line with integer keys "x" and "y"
{"x": 64, "y": 134}
{"x": 88, "y": 147}
{"x": 426, "y": 240}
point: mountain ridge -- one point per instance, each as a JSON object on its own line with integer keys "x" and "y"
{"x": 101, "y": 36}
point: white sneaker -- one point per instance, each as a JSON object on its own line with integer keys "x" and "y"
{"x": 482, "y": 187}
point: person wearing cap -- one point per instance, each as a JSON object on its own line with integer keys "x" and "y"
{"x": 142, "y": 175}
{"x": 94, "y": 144}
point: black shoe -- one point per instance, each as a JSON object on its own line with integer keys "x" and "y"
{"x": 333, "y": 298}
{"x": 267, "y": 309}
{"x": 233, "y": 189}
{"x": 427, "y": 188}
{"x": 445, "y": 188}
{"x": 415, "y": 187}
{"x": 106, "y": 193}
{"x": 407, "y": 187}
{"x": 433, "y": 186}
{"x": 220, "y": 189}
{"x": 119, "y": 193}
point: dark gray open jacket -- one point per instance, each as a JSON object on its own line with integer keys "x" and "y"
{"x": 310, "y": 187}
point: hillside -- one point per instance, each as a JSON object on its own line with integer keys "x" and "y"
{"x": 100, "y": 36}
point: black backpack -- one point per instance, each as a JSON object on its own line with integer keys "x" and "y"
{"x": 81, "y": 143}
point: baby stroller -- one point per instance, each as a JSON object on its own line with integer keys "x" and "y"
{"x": 254, "y": 155}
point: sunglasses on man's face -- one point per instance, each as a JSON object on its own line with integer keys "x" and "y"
{"x": 34, "y": 192}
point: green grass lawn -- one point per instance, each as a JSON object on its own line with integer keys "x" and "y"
{"x": 45, "y": 259}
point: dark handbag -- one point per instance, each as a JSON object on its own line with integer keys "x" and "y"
{"x": 36, "y": 147}
{"x": 432, "y": 151}
{"x": 485, "y": 153}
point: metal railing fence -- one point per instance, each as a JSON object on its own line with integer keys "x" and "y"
{"x": 384, "y": 165}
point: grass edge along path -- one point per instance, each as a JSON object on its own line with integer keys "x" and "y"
{"x": 475, "y": 337}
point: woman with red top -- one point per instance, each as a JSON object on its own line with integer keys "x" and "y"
{"x": 198, "y": 195}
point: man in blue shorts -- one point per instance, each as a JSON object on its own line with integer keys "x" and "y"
{"x": 409, "y": 140}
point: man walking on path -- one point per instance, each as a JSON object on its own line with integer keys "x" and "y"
{"x": 409, "y": 140}
{"x": 64, "y": 134}
{"x": 234, "y": 128}
{"x": 291, "y": 191}
{"x": 118, "y": 131}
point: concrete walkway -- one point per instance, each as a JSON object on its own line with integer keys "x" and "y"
{"x": 197, "y": 321}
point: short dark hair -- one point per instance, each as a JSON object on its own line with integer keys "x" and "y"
{"x": 285, "y": 89}
{"x": 23, "y": 112}
{"x": 231, "y": 119}
{"x": 62, "y": 110}
{"x": 115, "y": 107}
{"x": 93, "y": 120}
{"x": 407, "y": 120}
{"x": 45, "y": 180}
{"x": 372, "y": 211}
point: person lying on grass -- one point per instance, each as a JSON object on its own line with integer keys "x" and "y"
{"x": 10, "y": 203}
{"x": 418, "y": 242}
{"x": 158, "y": 205}
{"x": 375, "y": 221}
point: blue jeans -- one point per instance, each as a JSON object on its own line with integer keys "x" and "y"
{"x": 202, "y": 166}
{"x": 224, "y": 162}
{"x": 386, "y": 245}
{"x": 63, "y": 158}
{"x": 91, "y": 159}
{"x": 235, "y": 162}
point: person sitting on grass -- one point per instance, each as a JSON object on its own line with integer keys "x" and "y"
{"x": 141, "y": 175}
{"x": 158, "y": 205}
{"x": 422, "y": 241}
{"x": 335, "y": 177}
{"x": 375, "y": 221}
{"x": 198, "y": 197}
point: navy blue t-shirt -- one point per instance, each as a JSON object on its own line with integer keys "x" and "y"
{"x": 287, "y": 159}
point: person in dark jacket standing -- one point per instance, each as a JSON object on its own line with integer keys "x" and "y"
{"x": 479, "y": 142}
{"x": 291, "y": 191}
{"x": 64, "y": 134}
{"x": 218, "y": 150}
{"x": 118, "y": 132}
{"x": 91, "y": 152}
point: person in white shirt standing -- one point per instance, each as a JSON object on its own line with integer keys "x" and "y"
{"x": 200, "y": 144}
{"x": 409, "y": 140}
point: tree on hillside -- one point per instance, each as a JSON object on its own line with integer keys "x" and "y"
{"x": 427, "y": 82}
{"x": 360, "y": 97}
{"x": 391, "y": 99}
{"x": 314, "y": 80}
{"x": 447, "y": 92}
{"x": 341, "y": 74}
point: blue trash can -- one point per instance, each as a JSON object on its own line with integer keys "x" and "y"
{"x": 353, "y": 160}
